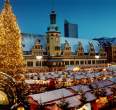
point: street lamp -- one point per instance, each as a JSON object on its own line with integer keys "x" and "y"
{"x": 97, "y": 57}
{"x": 39, "y": 58}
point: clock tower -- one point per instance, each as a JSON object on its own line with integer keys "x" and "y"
{"x": 53, "y": 36}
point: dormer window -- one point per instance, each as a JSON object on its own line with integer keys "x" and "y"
{"x": 80, "y": 51}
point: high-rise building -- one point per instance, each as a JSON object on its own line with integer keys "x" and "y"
{"x": 70, "y": 29}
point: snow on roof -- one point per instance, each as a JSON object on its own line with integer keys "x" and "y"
{"x": 73, "y": 101}
{"x": 83, "y": 88}
{"x": 107, "y": 41}
{"x": 113, "y": 67}
{"x": 89, "y": 96}
{"x": 85, "y": 43}
{"x": 102, "y": 83}
{"x": 114, "y": 42}
{"x": 51, "y": 95}
{"x": 70, "y": 68}
{"x": 113, "y": 79}
{"x": 108, "y": 91}
{"x": 29, "y": 41}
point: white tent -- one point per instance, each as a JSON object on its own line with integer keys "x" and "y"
{"x": 112, "y": 67}
{"x": 51, "y": 95}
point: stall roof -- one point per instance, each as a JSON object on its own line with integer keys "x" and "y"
{"x": 73, "y": 101}
{"x": 51, "y": 95}
{"x": 113, "y": 79}
{"x": 101, "y": 84}
{"x": 83, "y": 88}
{"x": 108, "y": 91}
{"x": 89, "y": 96}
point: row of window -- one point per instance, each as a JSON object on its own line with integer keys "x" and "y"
{"x": 38, "y": 63}
{"x": 68, "y": 48}
{"x": 38, "y": 47}
{"x": 84, "y": 62}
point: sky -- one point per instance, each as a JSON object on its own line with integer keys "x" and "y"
{"x": 95, "y": 18}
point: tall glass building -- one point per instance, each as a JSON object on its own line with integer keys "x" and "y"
{"x": 70, "y": 29}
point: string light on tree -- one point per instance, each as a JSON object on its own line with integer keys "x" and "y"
{"x": 11, "y": 54}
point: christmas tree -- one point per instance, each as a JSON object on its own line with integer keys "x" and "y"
{"x": 11, "y": 54}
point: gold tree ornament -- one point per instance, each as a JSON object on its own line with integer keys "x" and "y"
{"x": 11, "y": 53}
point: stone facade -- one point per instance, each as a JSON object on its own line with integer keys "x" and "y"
{"x": 109, "y": 45}
{"x": 113, "y": 53}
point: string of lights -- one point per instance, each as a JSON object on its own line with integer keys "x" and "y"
{"x": 11, "y": 54}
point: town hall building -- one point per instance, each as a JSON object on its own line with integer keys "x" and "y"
{"x": 53, "y": 52}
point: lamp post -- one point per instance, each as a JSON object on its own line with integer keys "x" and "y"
{"x": 39, "y": 58}
{"x": 97, "y": 58}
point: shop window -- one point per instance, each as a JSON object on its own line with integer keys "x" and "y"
{"x": 29, "y": 63}
{"x": 72, "y": 62}
{"x": 77, "y": 62}
{"x": 93, "y": 62}
{"x": 37, "y": 63}
{"x": 82, "y": 62}
{"x": 89, "y": 61}
{"x": 66, "y": 62}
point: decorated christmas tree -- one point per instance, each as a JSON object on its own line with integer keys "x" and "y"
{"x": 11, "y": 54}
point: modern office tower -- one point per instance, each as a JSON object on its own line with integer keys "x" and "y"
{"x": 70, "y": 29}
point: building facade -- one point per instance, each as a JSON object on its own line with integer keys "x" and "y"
{"x": 52, "y": 52}
{"x": 70, "y": 29}
{"x": 109, "y": 45}
{"x": 113, "y": 46}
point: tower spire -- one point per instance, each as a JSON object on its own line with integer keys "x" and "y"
{"x": 53, "y": 13}
{"x": 53, "y": 17}
{"x": 53, "y": 5}
{"x": 53, "y": 20}
{"x": 7, "y": 1}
